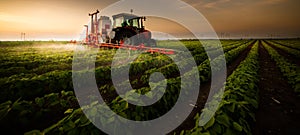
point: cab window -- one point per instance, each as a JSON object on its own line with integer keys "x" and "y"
{"x": 135, "y": 23}
{"x": 118, "y": 22}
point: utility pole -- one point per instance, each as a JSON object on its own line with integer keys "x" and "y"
{"x": 22, "y": 36}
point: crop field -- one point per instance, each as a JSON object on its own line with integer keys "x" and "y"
{"x": 261, "y": 92}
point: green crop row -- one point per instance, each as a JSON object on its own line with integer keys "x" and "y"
{"x": 215, "y": 52}
{"x": 17, "y": 81}
{"x": 13, "y": 64}
{"x": 294, "y": 52}
{"x": 32, "y": 63}
{"x": 78, "y": 123}
{"x": 204, "y": 68}
{"x": 32, "y": 114}
{"x": 19, "y": 85}
{"x": 168, "y": 70}
{"x": 196, "y": 46}
{"x": 39, "y": 60}
{"x": 236, "y": 110}
{"x": 289, "y": 70}
{"x": 141, "y": 66}
{"x": 17, "y": 71}
{"x": 162, "y": 64}
{"x": 20, "y": 82}
{"x": 212, "y": 46}
{"x": 30, "y": 86}
{"x": 58, "y": 79}
{"x": 289, "y": 43}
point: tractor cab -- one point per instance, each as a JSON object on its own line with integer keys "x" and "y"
{"x": 129, "y": 29}
{"x": 128, "y": 20}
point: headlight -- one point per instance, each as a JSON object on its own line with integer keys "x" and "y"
{"x": 112, "y": 34}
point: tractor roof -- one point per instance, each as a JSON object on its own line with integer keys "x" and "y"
{"x": 125, "y": 15}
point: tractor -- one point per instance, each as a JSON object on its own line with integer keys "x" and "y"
{"x": 129, "y": 29}
{"x": 127, "y": 32}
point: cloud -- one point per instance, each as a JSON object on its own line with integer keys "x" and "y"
{"x": 215, "y": 4}
{"x": 271, "y": 2}
{"x": 208, "y": 4}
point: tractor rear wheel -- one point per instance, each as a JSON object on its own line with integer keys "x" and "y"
{"x": 128, "y": 38}
{"x": 151, "y": 43}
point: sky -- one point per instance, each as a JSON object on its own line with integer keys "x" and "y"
{"x": 64, "y": 19}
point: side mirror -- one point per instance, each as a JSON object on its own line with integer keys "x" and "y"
{"x": 144, "y": 18}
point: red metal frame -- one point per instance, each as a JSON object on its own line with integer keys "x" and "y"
{"x": 138, "y": 47}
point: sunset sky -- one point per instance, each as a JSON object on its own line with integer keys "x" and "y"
{"x": 64, "y": 19}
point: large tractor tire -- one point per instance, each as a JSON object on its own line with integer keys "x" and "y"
{"x": 151, "y": 43}
{"x": 128, "y": 38}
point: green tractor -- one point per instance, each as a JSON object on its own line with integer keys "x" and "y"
{"x": 129, "y": 29}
